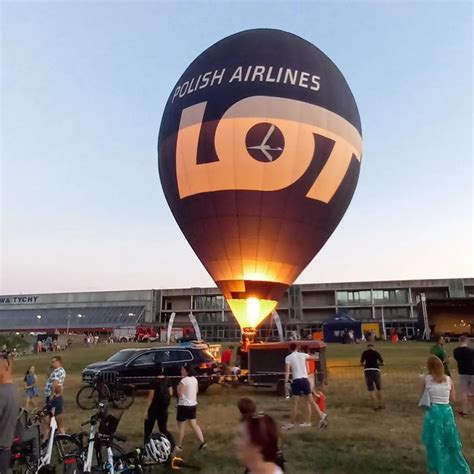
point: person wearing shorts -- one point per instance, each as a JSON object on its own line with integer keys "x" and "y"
{"x": 464, "y": 356}
{"x": 371, "y": 359}
{"x": 52, "y": 390}
{"x": 296, "y": 365}
{"x": 187, "y": 407}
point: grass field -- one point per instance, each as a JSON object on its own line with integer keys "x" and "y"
{"x": 358, "y": 439}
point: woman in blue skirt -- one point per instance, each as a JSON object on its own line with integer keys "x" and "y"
{"x": 31, "y": 390}
{"x": 440, "y": 434}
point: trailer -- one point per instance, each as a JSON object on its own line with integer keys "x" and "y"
{"x": 266, "y": 363}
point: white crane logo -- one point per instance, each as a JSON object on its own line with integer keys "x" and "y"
{"x": 264, "y": 148}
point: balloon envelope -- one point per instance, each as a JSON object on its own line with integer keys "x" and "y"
{"x": 259, "y": 155}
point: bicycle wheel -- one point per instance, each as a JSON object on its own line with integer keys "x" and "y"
{"x": 88, "y": 398}
{"x": 64, "y": 447}
{"x": 101, "y": 456}
{"x": 123, "y": 397}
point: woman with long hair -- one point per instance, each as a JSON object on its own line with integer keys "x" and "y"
{"x": 256, "y": 441}
{"x": 440, "y": 434}
{"x": 31, "y": 390}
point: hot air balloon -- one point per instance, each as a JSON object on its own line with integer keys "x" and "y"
{"x": 259, "y": 153}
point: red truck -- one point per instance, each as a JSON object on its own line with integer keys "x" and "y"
{"x": 146, "y": 334}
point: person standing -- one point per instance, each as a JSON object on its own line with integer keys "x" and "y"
{"x": 187, "y": 407}
{"x": 295, "y": 363}
{"x": 57, "y": 377}
{"x": 8, "y": 411}
{"x": 371, "y": 359}
{"x": 31, "y": 390}
{"x": 439, "y": 351}
{"x": 464, "y": 357}
{"x": 157, "y": 406}
{"x": 440, "y": 435}
{"x": 227, "y": 356}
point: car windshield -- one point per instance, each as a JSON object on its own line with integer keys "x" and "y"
{"x": 121, "y": 356}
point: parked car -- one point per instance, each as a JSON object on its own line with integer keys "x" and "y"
{"x": 137, "y": 366}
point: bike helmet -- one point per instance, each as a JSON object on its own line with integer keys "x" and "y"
{"x": 158, "y": 448}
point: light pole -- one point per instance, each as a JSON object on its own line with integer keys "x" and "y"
{"x": 68, "y": 322}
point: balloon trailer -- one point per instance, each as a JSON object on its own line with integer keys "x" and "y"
{"x": 266, "y": 363}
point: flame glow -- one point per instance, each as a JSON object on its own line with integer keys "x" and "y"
{"x": 251, "y": 311}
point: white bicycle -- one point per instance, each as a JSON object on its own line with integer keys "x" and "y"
{"x": 28, "y": 455}
{"x": 99, "y": 453}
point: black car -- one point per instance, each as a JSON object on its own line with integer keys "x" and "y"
{"x": 137, "y": 366}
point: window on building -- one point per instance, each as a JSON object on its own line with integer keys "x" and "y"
{"x": 391, "y": 296}
{"x": 396, "y": 313}
{"x": 354, "y": 298}
{"x": 360, "y": 313}
{"x": 211, "y": 317}
{"x": 208, "y": 302}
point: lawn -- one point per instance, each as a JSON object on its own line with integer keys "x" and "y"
{"x": 358, "y": 439}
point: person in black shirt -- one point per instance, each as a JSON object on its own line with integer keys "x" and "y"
{"x": 464, "y": 356}
{"x": 370, "y": 359}
{"x": 157, "y": 406}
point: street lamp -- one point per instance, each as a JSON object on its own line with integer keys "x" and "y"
{"x": 39, "y": 316}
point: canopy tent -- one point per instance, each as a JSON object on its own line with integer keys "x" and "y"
{"x": 334, "y": 328}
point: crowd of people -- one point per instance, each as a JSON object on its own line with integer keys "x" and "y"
{"x": 257, "y": 439}
{"x": 440, "y": 435}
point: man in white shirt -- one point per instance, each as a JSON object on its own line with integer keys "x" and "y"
{"x": 300, "y": 387}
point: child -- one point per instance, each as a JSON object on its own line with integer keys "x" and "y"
{"x": 31, "y": 390}
{"x": 55, "y": 407}
{"x": 320, "y": 399}
{"x": 247, "y": 407}
{"x": 248, "y": 410}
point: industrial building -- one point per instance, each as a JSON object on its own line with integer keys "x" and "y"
{"x": 303, "y": 308}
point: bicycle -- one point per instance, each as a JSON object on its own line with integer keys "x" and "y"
{"x": 99, "y": 453}
{"x": 28, "y": 455}
{"x": 106, "y": 387}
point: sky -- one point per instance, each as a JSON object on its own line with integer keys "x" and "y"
{"x": 83, "y": 88}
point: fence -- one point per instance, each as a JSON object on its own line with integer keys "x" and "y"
{"x": 400, "y": 383}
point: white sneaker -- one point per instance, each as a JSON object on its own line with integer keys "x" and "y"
{"x": 306, "y": 424}
{"x": 288, "y": 426}
{"x": 324, "y": 421}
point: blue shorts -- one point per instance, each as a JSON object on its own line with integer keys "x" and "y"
{"x": 300, "y": 387}
{"x": 57, "y": 403}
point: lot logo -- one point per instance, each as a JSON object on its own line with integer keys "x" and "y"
{"x": 264, "y": 144}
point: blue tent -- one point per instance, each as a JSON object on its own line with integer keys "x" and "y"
{"x": 335, "y": 327}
